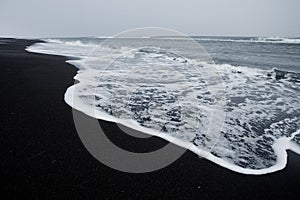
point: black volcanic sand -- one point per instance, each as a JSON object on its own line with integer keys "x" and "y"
{"x": 43, "y": 157}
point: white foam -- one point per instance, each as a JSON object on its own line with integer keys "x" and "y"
{"x": 279, "y": 40}
{"x": 262, "y": 113}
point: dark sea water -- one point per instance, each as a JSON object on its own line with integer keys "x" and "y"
{"x": 150, "y": 87}
{"x": 264, "y": 53}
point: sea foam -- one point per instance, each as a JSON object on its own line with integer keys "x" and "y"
{"x": 262, "y": 111}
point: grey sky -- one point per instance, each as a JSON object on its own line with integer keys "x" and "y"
{"x": 50, "y": 18}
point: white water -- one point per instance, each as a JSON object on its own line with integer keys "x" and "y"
{"x": 262, "y": 119}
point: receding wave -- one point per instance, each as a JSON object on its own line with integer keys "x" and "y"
{"x": 262, "y": 106}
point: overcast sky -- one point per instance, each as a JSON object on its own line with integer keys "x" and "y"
{"x": 53, "y": 18}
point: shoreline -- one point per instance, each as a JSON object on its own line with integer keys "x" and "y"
{"x": 42, "y": 155}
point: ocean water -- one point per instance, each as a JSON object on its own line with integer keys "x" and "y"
{"x": 162, "y": 93}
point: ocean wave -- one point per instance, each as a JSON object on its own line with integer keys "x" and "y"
{"x": 69, "y": 48}
{"x": 71, "y": 42}
{"x": 272, "y": 40}
{"x": 163, "y": 94}
{"x": 278, "y": 40}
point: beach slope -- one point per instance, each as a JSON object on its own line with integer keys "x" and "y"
{"x": 43, "y": 157}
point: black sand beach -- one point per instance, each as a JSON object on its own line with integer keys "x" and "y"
{"x": 42, "y": 156}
